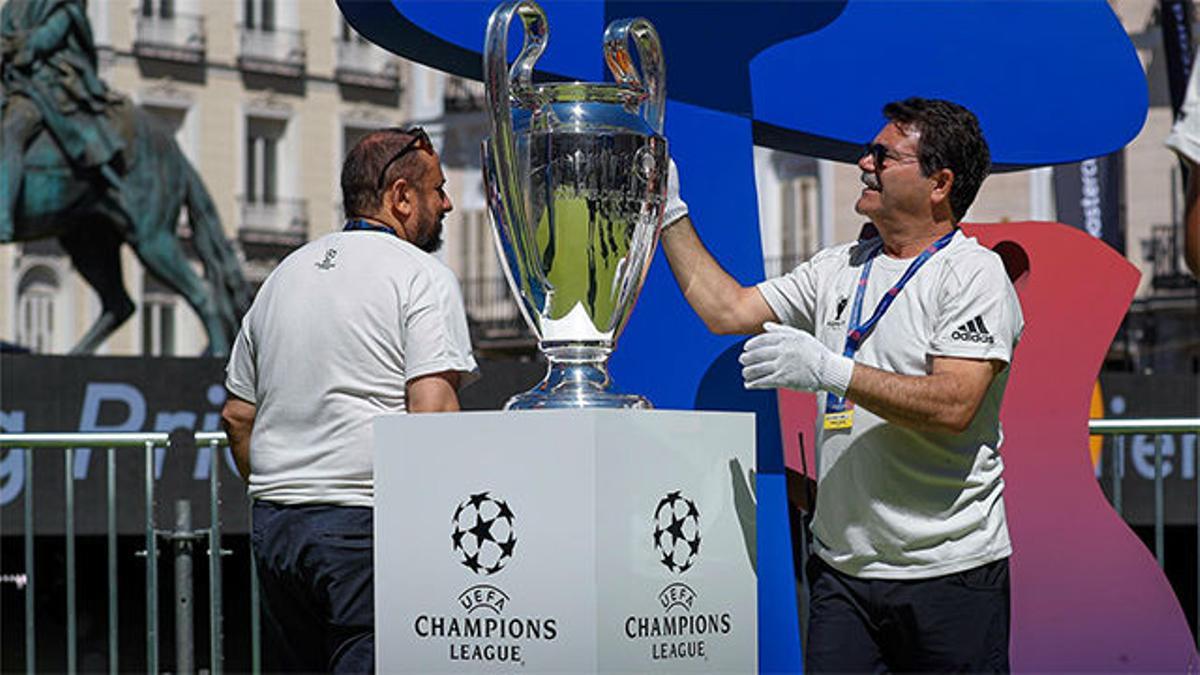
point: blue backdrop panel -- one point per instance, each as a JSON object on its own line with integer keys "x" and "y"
{"x": 1051, "y": 80}
{"x": 574, "y": 50}
{"x": 706, "y": 45}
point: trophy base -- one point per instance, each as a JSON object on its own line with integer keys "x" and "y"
{"x": 577, "y": 378}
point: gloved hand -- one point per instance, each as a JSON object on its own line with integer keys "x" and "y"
{"x": 794, "y": 359}
{"x": 676, "y": 208}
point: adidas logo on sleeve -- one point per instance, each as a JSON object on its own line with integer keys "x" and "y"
{"x": 973, "y": 331}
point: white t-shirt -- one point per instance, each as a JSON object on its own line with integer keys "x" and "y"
{"x": 331, "y": 340}
{"x": 892, "y": 502}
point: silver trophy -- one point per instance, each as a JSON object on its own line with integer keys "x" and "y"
{"x": 576, "y": 177}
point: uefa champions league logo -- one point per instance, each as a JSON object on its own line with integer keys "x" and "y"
{"x": 677, "y": 531}
{"x": 480, "y": 629}
{"x": 483, "y": 533}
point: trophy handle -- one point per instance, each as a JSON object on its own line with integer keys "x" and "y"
{"x": 652, "y": 83}
{"x": 504, "y": 88}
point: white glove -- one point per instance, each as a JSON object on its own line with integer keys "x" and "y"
{"x": 791, "y": 358}
{"x": 676, "y": 208}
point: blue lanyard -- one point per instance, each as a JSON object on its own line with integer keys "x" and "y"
{"x": 358, "y": 224}
{"x": 857, "y": 332}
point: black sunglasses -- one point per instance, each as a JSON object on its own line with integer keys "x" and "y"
{"x": 420, "y": 139}
{"x": 880, "y": 153}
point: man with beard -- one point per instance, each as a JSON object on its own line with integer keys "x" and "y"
{"x": 358, "y": 323}
{"x": 905, "y": 335}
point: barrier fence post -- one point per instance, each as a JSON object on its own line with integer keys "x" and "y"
{"x": 1118, "y": 475}
{"x": 30, "y": 624}
{"x": 1159, "y": 553}
{"x": 184, "y": 598}
{"x": 151, "y": 566}
{"x": 217, "y": 620}
{"x": 110, "y": 480}
{"x": 69, "y": 493}
{"x": 255, "y": 617}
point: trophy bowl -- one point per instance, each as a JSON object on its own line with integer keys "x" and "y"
{"x": 575, "y": 175}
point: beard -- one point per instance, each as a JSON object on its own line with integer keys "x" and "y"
{"x": 431, "y": 245}
{"x": 432, "y": 242}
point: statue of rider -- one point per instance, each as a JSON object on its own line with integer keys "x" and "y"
{"x": 49, "y": 80}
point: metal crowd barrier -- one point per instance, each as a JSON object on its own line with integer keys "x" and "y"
{"x": 1118, "y": 428}
{"x": 1160, "y": 428}
{"x": 68, "y": 442}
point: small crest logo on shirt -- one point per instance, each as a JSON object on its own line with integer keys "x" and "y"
{"x": 973, "y": 331}
{"x": 327, "y": 263}
{"x": 837, "y": 319}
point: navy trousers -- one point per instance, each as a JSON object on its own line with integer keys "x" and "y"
{"x": 957, "y": 623}
{"x": 316, "y": 571}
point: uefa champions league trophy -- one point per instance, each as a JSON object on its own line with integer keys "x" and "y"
{"x": 576, "y": 176}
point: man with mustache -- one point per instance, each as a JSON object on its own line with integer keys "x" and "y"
{"x": 355, "y": 324}
{"x": 906, "y": 336}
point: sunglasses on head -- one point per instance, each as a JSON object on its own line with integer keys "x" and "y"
{"x": 420, "y": 139}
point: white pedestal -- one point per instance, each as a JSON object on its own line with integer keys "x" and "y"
{"x": 526, "y": 541}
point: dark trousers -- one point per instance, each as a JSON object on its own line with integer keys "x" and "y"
{"x": 954, "y": 623}
{"x": 316, "y": 573}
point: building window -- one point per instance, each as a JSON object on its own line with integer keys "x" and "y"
{"x": 800, "y": 208}
{"x": 163, "y": 9}
{"x": 260, "y": 14}
{"x": 158, "y": 325}
{"x": 262, "y": 160}
{"x": 36, "y": 293}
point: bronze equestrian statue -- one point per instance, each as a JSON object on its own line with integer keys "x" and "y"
{"x": 81, "y": 164}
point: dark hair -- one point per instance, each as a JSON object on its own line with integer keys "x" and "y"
{"x": 950, "y": 139}
{"x": 361, "y": 195}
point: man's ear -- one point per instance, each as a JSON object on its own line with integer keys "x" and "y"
{"x": 943, "y": 181}
{"x": 398, "y": 197}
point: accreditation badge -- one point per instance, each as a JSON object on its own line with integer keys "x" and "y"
{"x": 839, "y": 413}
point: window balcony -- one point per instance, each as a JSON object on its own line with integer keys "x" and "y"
{"x": 362, "y": 64}
{"x": 273, "y": 52}
{"x": 179, "y": 37}
{"x": 463, "y": 95}
{"x": 280, "y": 223}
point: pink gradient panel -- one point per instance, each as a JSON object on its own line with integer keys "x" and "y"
{"x": 1087, "y": 595}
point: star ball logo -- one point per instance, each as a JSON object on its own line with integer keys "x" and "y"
{"x": 683, "y": 630}
{"x": 677, "y": 531}
{"x": 481, "y": 630}
{"x": 483, "y": 533}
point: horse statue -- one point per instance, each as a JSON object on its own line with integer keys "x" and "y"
{"x": 80, "y": 163}
{"x": 92, "y": 218}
